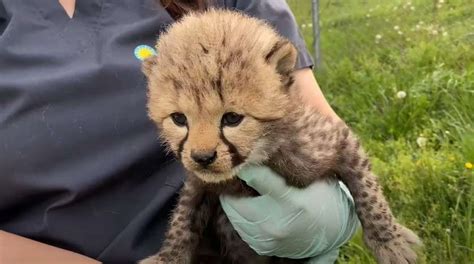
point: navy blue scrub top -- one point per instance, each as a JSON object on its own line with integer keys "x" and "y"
{"x": 80, "y": 164}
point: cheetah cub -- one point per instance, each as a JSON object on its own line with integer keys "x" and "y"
{"x": 220, "y": 92}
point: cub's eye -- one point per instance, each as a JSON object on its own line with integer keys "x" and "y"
{"x": 179, "y": 119}
{"x": 231, "y": 119}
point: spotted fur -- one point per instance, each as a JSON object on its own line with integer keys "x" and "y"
{"x": 220, "y": 62}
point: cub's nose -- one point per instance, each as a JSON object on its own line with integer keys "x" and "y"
{"x": 204, "y": 158}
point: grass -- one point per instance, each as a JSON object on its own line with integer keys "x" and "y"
{"x": 371, "y": 51}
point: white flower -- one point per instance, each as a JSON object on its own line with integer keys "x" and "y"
{"x": 368, "y": 15}
{"x": 401, "y": 94}
{"x": 303, "y": 25}
{"x": 447, "y": 132}
{"x": 412, "y": 8}
{"x": 421, "y": 141}
{"x": 417, "y": 27}
{"x": 396, "y": 27}
{"x": 439, "y": 6}
{"x": 434, "y": 32}
{"x": 441, "y": 1}
{"x": 400, "y": 32}
{"x": 378, "y": 37}
{"x": 445, "y": 34}
{"x": 310, "y": 24}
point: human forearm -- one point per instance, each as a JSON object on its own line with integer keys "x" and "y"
{"x": 310, "y": 92}
{"x": 16, "y": 249}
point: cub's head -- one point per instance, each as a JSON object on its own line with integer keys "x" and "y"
{"x": 219, "y": 82}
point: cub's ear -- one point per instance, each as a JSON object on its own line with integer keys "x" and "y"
{"x": 148, "y": 64}
{"x": 283, "y": 56}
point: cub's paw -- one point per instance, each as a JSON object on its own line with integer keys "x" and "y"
{"x": 167, "y": 257}
{"x": 153, "y": 260}
{"x": 399, "y": 250}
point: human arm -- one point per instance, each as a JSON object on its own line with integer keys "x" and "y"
{"x": 17, "y": 249}
{"x": 310, "y": 93}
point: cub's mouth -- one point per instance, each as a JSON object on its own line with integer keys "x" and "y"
{"x": 215, "y": 174}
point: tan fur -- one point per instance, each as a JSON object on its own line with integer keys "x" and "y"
{"x": 219, "y": 62}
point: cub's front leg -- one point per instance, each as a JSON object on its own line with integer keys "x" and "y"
{"x": 186, "y": 227}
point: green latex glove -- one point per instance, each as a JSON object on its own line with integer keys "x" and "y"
{"x": 289, "y": 222}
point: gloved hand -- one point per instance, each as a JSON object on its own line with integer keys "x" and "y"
{"x": 289, "y": 222}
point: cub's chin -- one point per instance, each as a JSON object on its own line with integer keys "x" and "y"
{"x": 214, "y": 177}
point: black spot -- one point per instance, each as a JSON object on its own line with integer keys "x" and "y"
{"x": 369, "y": 183}
{"x": 223, "y": 41}
{"x": 198, "y": 98}
{"x": 373, "y": 199}
{"x": 274, "y": 49}
{"x": 206, "y": 51}
{"x": 322, "y": 135}
{"x": 365, "y": 163}
{"x": 383, "y": 239}
{"x": 344, "y": 143}
{"x": 243, "y": 64}
{"x": 289, "y": 82}
{"x": 237, "y": 158}
{"x": 181, "y": 144}
{"x": 355, "y": 160}
{"x": 233, "y": 56}
{"x": 217, "y": 84}
{"x": 345, "y": 132}
{"x": 177, "y": 85}
{"x": 357, "y": 144}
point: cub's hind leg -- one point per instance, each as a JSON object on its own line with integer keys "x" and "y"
{"x": 186, "y": 227}
{"x": 391, "y": 242}
{"x": 233, "y": 248}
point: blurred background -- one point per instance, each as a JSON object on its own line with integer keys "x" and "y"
{"x": 401, "y": 73}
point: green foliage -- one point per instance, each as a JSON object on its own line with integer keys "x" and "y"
{"x": 374, "y": 52}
